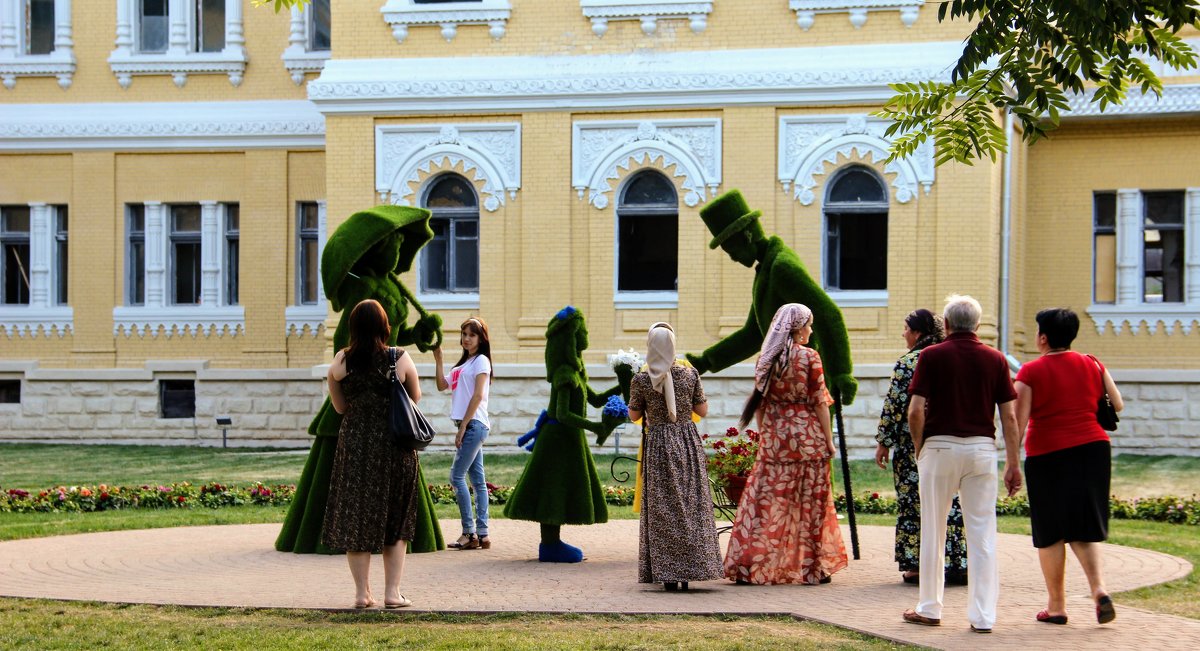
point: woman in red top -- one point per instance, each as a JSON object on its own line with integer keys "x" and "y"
{"x": 1068, "y": 459}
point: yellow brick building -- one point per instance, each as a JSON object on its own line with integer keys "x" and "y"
{"x": 169, "y": 169}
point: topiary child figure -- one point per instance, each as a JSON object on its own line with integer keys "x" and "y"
{"x": 780, "y": 278}
{"x": 560, "y": 484}
{"x": 360, "y": 261}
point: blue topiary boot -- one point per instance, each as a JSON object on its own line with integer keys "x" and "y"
{"x": 559, "y": 552}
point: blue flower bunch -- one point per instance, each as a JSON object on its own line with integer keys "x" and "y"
{"x": 615, "y": 408}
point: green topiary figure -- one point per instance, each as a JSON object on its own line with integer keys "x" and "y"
{"x": 780, "y": 278}
{"x": 360, "y": 261}
{"x": 559, "y": 484}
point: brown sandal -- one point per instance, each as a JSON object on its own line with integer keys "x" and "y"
{"x": 472, "y": 543}
{"x": 485, "y": 542}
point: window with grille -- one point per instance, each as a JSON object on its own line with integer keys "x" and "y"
{"x": 648, "y": 234}
{"x": 856, "y": 231}
{"x": 451, "y": 260}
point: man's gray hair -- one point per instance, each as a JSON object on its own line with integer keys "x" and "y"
{"x": 962, "y": 313}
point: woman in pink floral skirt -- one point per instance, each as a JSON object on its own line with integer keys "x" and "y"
{"x": 786, "y": 527}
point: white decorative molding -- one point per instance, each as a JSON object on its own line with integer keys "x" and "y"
{"x": 647, "y": 12}
{"x": 24, "y": 321}
{"x": 161, "y": 125}
{"x": 447, "y": 300}
{"x": 600, "y": 150}
{"x": 305, "y": 319}
{"x": 401, "y": 14}
{"x": 859, "y": 298}
{"x": 1151, "y": 316}
{"x": 664, "y": 300}
{"x": 178, "y": 320}
{"x": 299, "y": 58}
{"x": 808, "y": 143}
{"x": 181, "y": 58}
{"x": 490, "y": 152}
{"x": 1176, "y": 99}
{"x": 807, "y": 10}
{"x": 752, "y": 77}
{"x": 60, "y": 62}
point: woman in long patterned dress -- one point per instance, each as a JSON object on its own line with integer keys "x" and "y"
{"x": 921, "y": 329}
{"x": 677, "y": 535}
{"x": 373, "y": 490}
{"x": 786, "y": 527}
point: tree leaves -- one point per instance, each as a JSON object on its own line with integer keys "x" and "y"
{"x": 1026, "y": 57}
{"x": 280, "y": 5}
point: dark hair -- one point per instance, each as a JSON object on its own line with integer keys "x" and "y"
{"x": 750, "y": 408}
{"x": 369, "y": 333}
{"x": 479, "y": 328}
{"x": 923, "y": 321}
{"x": 1059, "y": 324}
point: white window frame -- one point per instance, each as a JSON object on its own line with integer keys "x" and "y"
{"x": 646, "y": 12}
{"x": 42, "y": 310}
{"x": 641, "y": 300}
{"x": 300, "y": 58}
{"x": 402, "y": 14}
{"x": 300, "y": 315}
{"x": 1130, "y": 308}
{"x": 180, "y": 59}
{"x": 212, "y": 314}
{"x": 449, "y": 300}
{"x": 15, "y": 63}
{"x": 857, "y": 10}
{"x": 851, "y": 297}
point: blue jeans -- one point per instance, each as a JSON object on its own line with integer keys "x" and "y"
{"x": 469, "y": 460}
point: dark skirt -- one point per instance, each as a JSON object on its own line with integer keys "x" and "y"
{"x": 1068, "y": 494}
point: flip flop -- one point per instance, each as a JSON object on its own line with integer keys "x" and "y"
{"x": 1105, "y": 611}
{"x": 1047, "y": 618}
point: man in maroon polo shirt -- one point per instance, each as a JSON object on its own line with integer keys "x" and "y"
{"x": 955, "y": 389}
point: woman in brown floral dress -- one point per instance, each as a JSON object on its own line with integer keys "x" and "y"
{"x": 677, "y": 534}
{"x": 372, "y": 502}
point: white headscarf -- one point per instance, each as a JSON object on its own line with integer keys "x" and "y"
{"x": 660, "y": 357}
{"x": 777, "y": 341}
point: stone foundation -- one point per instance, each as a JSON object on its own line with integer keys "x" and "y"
{"x": 272, "y": 408}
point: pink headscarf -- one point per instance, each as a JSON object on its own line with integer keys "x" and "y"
{"x": 777, "y": 341}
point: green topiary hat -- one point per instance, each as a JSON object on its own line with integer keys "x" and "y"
{"x": 729, "y": 214}
{"x": 363, "y": 230}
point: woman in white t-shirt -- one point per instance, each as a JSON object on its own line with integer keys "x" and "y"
{"x": 469, "y": 381}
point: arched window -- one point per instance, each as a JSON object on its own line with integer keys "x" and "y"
{"x": 648, "y": 234}
{"x": 856, "y": 231}
{"x": 451, "y": 261}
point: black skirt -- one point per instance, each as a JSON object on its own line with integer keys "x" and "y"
{"x": 1068, "y": 494}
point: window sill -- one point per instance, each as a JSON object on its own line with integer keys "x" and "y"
{"x": 648, "y": 12}
{"x": 646, "y": 300}
{"x": 449, "y": 301}
{"x": 806, "y": 10}
{"x": 1150, "y": 315}
{"x": 55, "y": 64}
{"x": 300, "y": 62}
{"x": 179, "y": 320}
{"x": 178, "y": 65}
{"x": 25, "y": 321}
{"x": 299, "y": 317}
{"x": 859, "y": 298}
{"x": 400, "y": 14}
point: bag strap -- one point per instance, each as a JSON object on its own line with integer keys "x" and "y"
{"x": 394, "y": 353}
{"x": 1100, "y": 369}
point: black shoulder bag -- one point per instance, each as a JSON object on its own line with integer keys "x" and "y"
{"x": 1106, "y": 415}
{"x": 408, "y": 427}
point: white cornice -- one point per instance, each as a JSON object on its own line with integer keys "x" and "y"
{"x": 784, "y": 76}
{"x": 29, "y": 321}
{"x": 401, "y": 14}
{"x": 647, "y": 12}
{"x": 1151, "y": 316}
{"x": 1178, "y": 99}
{"x": 161, "y": 125}
{"x": 179, "y": 320}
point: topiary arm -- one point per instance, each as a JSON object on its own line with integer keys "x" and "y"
{"x": 564, "y": 414}
{"x": 736, "y": 347}
{"x": 427, "y": 332}
{"x": 830, "y": 337}
{"x": 598, "y": 399}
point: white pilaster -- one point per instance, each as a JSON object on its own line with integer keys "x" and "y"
{"x": 210, "y": 254}
{"x": 156, "y": 254}
{"x": 1129, "y": 247}
{"x": 8, "y": 29}
{"x": 124, "y": 42}
{"x": 1191, "y": 282}
{"x": 41, "y": 227}
{"x": 235, "y": 37}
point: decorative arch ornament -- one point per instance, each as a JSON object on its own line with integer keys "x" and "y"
{"x": 489, "y": 152}
{"x": 807, "y": 144}
{"x": 601, "y": 149}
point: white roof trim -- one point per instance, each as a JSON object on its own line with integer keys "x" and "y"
{"x": 1176, "y": 99}
{"x": 796, "y": 76}
{"x": 161, "y": 125}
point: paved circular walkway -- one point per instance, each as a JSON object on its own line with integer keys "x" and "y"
{"x": 237, "y": 566}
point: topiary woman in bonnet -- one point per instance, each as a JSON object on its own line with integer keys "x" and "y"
{"x": 361, "y": 260}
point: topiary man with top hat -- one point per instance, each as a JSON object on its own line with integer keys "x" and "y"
{"x": 779, "y": 278}
{"x": 361, "y": 260}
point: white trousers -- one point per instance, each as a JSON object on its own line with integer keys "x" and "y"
{"x": 967, "y": 466}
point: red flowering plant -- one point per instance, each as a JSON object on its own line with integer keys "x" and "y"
{"x": 732, "y": 454}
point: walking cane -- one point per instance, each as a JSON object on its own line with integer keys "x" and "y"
{"x": 841, "y": 427}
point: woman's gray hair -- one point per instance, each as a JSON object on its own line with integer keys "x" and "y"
{"x": 962, "y": 313}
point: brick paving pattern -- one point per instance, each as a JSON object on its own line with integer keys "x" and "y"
{"x": 237, "y": 566}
